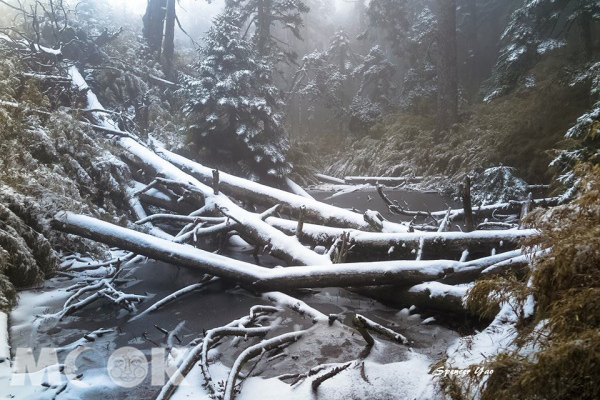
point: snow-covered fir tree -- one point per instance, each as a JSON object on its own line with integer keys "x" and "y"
{"x": 538, "y": 27}
{"x": 234, "y": 109}
{"x": 393, "y": 19}
{"x": 325, "y": 76}
{"x": 375, "y": 91}
{"x": 410, "y": 31}
{"x": 585, "y": 133}
{"x": 357, "y": 89}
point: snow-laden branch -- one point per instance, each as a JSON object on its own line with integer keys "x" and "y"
{"x": 294, "y": 304}
{"x": 366, "y": 323}
{"x": 254, "y": 351}
{"x": 175, "y": 295}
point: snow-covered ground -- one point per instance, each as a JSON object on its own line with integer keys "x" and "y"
{"x": 390, "y": 370}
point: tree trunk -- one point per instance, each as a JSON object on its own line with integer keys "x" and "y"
{"x": 447, "y": 113}
{"x": 263, "y": 26}
{"x": 466, "y": 199}
{"x": 154, "y": 24}
{"x": 169, "y": 41}
{"x": 440, "y": 244}
{"x": 472, "y": 75}
{"x": 585, "y": 24}
{"x": 256, "y": 193}
{"x": 259, "y": 278}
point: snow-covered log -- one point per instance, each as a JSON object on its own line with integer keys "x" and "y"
{"x": 366, "y": 323}
{"x": 242, "y": 189}
{"x": 403, "y": 243}
{"x": 296, "y": 189}
{"x": 427, "y": 295}
{"x": 262, "y": 279}
{"x": 330, "y": 179}
{"x": 382, "y": 180}
{"x": 486, "y": 211}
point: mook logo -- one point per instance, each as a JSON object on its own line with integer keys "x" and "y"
{"x": 126, "y": 367}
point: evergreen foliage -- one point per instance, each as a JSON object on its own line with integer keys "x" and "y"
{"x": 539, "y": 27}
{"x": 234, "y": 108}
{"x": 357, "y": 89}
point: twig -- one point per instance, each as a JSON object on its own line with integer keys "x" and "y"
{"x": 374, "y": 326}
{"x": 328, "y": 375}
{"x": 175, "y": 295}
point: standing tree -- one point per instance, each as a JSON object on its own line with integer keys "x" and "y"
{"x": 393, "y": 18}
{"x": 159, "y": 32}
{"x": 154, "y": 20}
{"x": 169, "y": 40}
{"x": 262, "y": 15}
{"x": 235, "y": 110}
{"x": 325, "y": 77}
{"x": 374, "y": 96}
{"x": 447, "y": 66}
{"x": 356, "y": 89}
{"x": 471, "y": 32}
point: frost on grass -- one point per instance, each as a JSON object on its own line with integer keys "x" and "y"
{"x": 543, "y": 342}
{"x": 25, "y": 256}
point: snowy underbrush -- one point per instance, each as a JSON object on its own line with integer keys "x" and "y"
{"x": 50, "y": 162}
{"x": 519, "y": 130}
{"x": 544, "y": 342}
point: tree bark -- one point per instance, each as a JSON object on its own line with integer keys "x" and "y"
{"x": 154, "y": 24}
{"x": 263, "y": 26}
{"x": 466, "y": 200}
{"x": 447, "y": 71}
{"x": 169, "y": 40}
{"x": 585, "y": 24}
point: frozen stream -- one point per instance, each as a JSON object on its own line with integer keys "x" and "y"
{"x": 32, "y": 328}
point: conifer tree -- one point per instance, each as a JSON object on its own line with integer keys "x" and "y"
{"x": 234, "y": 109}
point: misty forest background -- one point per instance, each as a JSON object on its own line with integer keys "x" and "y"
{"x": 385, "y": 88}
{"x": 505, "y": 92}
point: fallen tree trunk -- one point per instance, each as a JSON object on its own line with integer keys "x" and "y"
{"x": 382, "y": 180}
{"x": 242, "y": 189}
{"x": 428, "y": 295}
{"x": 330, "y": 179}
{"x": 259, "y": 278}
{"x": 401, "y": 243}
{"x": 487, "y": 211}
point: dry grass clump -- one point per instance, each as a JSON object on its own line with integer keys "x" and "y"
{"x": 487, "y": 296}
{"x": 556, "y": 354}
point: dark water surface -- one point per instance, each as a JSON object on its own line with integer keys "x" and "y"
{"x": 369, "y": 199}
